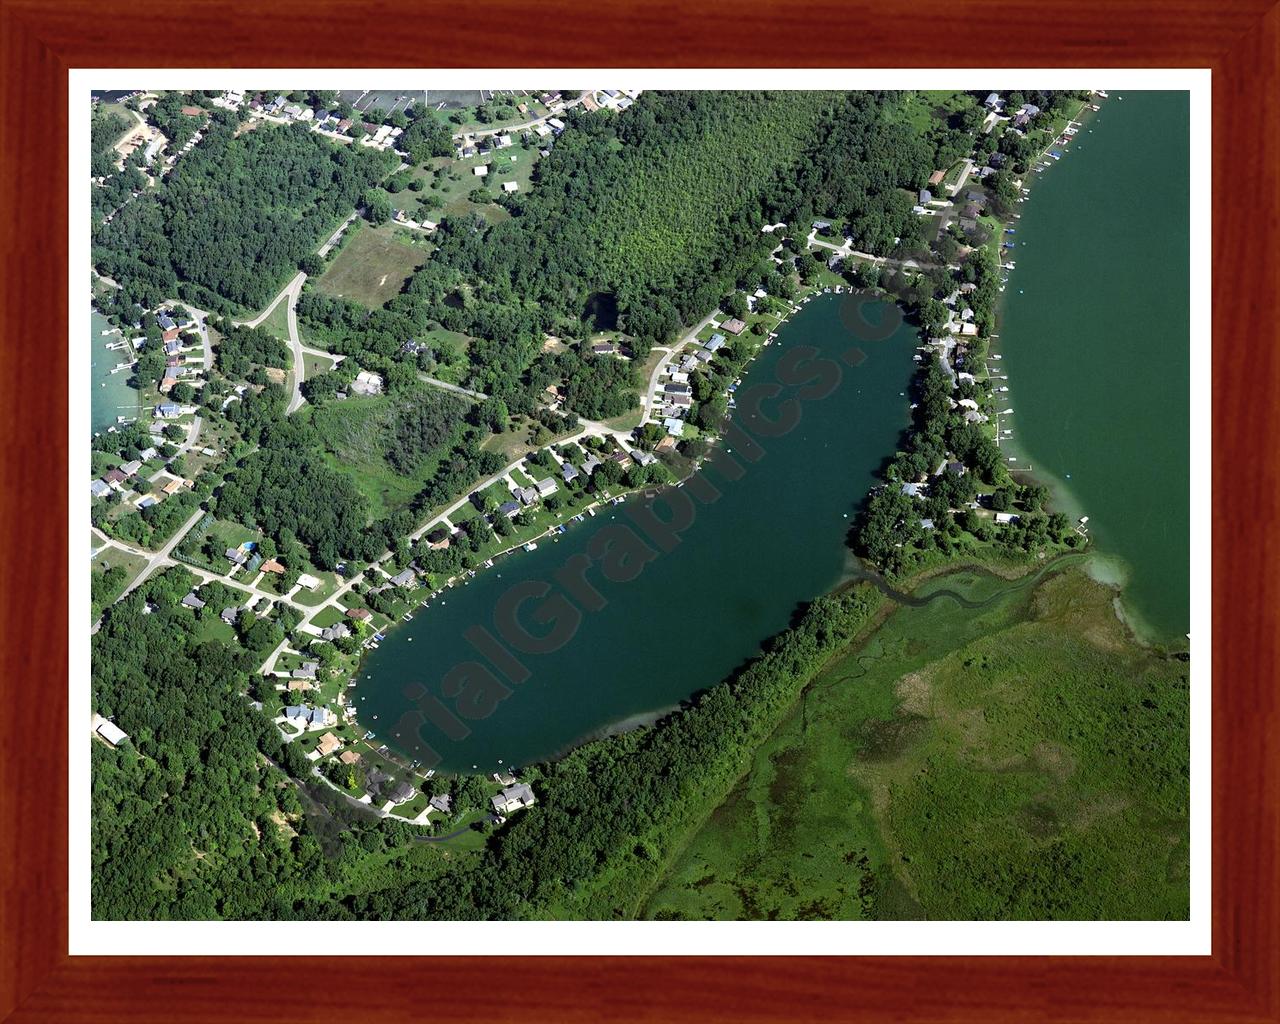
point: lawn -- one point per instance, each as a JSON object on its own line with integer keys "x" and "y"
{"x": 1024, "y": 759}
{"x": 313, "y": 365}
{"x": 372, "y": 267}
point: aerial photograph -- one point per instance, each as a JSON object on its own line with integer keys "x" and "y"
{"x": 638, "y": 504}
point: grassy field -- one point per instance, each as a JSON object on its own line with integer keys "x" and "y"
{"x": 372, "y": 267}
{"x": 1021, "y": 759}
{"x": 356, "y": 434}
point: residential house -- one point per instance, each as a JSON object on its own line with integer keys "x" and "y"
{"x": 716, "y": 343}
{"x": 569, "y": 471}
{"x": 527, "y": 495}
{"x": 307, "y": 670}
{"x": 329, "y": 743}
{"x": 236, "y": 556}
{"x": 99, "y": 488}
{"x": 442, "y": 802}
{"x": 367, "y": 383}
{"x": 349, "y": 757}
{"x": 546, "y": 487}
{"x": 644, "y": 458}
{"x": 335, "y": 632}
{"x": 509, "y": 508}
{"x": 734, "y": 326}
{"x": 913, "y": 490}
{"x": 229, "y": 615}
{"x": 513, "y": 798}
{"x": 403, "y": 791}
{"x": 359, "y": 614}
{"x": 480, "y": 170}
{"x": 667, "y": 444}
{"x": 1006, "y": 517}
{"x": 168, "y": 411}
{"x": 510, "y": 186}
{"x": 936, "y": 177}
{"x": 674, "y": 426}
{"x": 272, "y": 566}
{"x": 308, "y": 582}
{"x": 405, "y": 578}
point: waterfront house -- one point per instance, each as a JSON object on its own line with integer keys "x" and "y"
{"x": 680, "y": 401}
{"x": 677, "y": 389}
{"x": 442, "y": 802}
{"x": 513, "y": 798}
{"x": 509, "y": 508}
{"x": 360, "y": 614}
{"x": 569, "y": 471}
{"x": 402, "y": 791}
{"x": 667, "y": 444}
{"x": 329, "y": 743}
{"x": 644, "y": 458}
{"x": 716, "y": 343}
{"x": 168, "y": 411}
{"x": 912, "y": 490}
{"x": 349, "y": 757}
{"x": 335, "y": 632}
{"x": 591, "y": 463}
{"x": 404, "y": 578}
{"x": 546, "y": 487}
{"x": 703, "y": 356}
{"x": 527, "y": 495}
{"x": 734, "y": 326}
{"x": 674, "y": 426}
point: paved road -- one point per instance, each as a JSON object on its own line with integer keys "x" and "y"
{"x": 161, "y": 557}
{"x": 665, "y": 361}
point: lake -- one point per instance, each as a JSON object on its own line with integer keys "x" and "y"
{"x": 112, "y": 396}
{"x": 675, "y": 615}
{"x": 1095, "y": 338}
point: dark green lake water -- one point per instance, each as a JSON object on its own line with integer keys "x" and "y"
{"x": 1095, "y": 339}
{"x": 773, "y": 538}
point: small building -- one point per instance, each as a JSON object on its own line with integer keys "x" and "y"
{"x": 480, "y": 170}
{"x": 367, "y": 383}
{"x": 677, "y": 389}
{"x": 643, "y": 457}
{"x": 510, "y": 186}
{"x": 667, "y": 444}
{"x": 173, "y": 486}
{"x": 1006, "y": 517}
{"x": 925, "y": 196}
{"x": 936, "y": 177}
{"x": 111, "y": 732}
{"x": 513, "y": 798}
{"x": 605, "y": 348}
{"x": 992, "y": 101}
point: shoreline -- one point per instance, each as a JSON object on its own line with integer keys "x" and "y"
{"x": 386, "y": 751}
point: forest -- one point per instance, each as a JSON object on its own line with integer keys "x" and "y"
{"x": 228, "y": 224}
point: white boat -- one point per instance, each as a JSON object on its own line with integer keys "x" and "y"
{"x": 531, "y": 546}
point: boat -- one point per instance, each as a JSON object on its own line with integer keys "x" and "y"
{"x": 531, "y": 546}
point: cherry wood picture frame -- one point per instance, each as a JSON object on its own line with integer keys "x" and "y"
{"x": 39, "y": 41}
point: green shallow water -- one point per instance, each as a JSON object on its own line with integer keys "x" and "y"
{"x": 1095, "y": 338}
{"x": 773, "y": 539}
{"x": 112, "y": 397}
